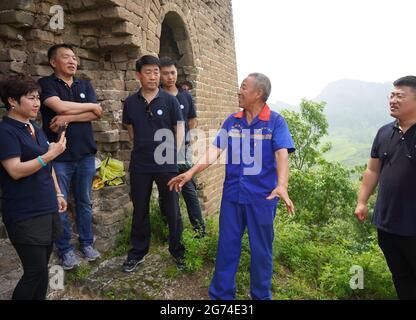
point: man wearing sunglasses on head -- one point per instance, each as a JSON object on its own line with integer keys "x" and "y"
{"x": 155, "y": 125}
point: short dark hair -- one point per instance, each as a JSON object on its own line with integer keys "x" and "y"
{"x": 167, "y": 62}
{"x": 145, "y": 61}
{"x": 16, "y": 86}
{"x": 408, "y": 81}
{"x": 52, "y": 50}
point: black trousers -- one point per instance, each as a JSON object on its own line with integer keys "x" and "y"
{"x": 400, "y": 253}
{"x": 190, "y": 196}
{"x": 141, "y": 190}
{"x": 34, "y": 283}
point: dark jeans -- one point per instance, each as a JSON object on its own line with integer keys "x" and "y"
{"x": 78, "y": 174}
{"x": 190, "y": 196}
{"x": 34, "y": 283}
{"x": 141, "y": 190}
{"x": 400, "y": 253}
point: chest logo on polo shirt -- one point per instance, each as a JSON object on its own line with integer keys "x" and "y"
{"x": 82, "y": 95}
{"x": 159, "y": 112}
{"x": 182, "y": 106}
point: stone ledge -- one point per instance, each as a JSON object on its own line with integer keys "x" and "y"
{"x": 17, "y": 19}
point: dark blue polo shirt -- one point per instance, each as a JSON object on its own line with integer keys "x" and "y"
{"x": 251, "y": 173}
{"x": 188, "y": 110}
{"x": 31, "y": 196}
{"x": 79, "y": 135}
{"x": 162, "y": 113}
{"x": 395, "y": 209}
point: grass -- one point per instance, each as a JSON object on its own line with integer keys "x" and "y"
{"x": 346, "y": 151}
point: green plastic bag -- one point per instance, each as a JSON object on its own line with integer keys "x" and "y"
{"x": 112, "y": 172}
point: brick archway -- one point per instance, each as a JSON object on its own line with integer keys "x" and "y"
{"x": 175, "y": 42}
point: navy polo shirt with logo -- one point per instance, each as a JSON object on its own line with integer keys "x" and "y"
{"x": 188, "y": 110}
{"x": 79, "y": 135}
{"x": 163, "y": 113}
{"x": 395, "y": 209}
{"x": 31, "y": 196}
{"x": 268, "y": 132}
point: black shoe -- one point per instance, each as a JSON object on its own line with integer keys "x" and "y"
{"x": 131, "y": 264}
{"x": 180, "y": 263}
{"x": 199, "y": 233}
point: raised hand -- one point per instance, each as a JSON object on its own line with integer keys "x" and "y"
{"x": 57, "y": 148}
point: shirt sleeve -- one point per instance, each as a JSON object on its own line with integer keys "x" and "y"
{"x": 221, "y": 140}
{"x": 376, "y": 147}
{"x": 282, "y": 139}
{"x": 192, "y": 108}
{"x": 90, "y": 94}
{"x": 48, "y": 89}
{"x": 126, "y": 116}
{"x": 175, "y": 111}
{"x": 9, "y": 145}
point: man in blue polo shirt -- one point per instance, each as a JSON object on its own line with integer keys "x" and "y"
{"x": 153, "y": 118}
{"x": 69, "y": 102}
{"x": 258, "y": 144}
{"x": 393, "y": 168}
{"x": 168, "y": 78}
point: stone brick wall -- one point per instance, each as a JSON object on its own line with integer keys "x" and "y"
{"x": 108, "y": 37}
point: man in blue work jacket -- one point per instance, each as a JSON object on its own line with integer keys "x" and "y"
{"x": 258, "y": 144}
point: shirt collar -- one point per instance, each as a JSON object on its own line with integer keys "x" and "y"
{"x": 156, "y": 96}
{"x": 15, "y": 123}
{"x": 75, "y": 80}
{"x": 264, "y": 115}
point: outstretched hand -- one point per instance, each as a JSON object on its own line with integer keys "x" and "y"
{"x": 179, "y": 181}
{"x": 281, "y": 192}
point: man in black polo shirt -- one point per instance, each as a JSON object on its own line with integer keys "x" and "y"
{"x": 153, "y": 117}
{"x": 393, "y": 168}
{"x": 168, "y": 78}
{"x": 68, "y": 102}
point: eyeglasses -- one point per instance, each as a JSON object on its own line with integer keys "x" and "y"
{"x": 398, "y": 96}
{"x": 149, "y": 112}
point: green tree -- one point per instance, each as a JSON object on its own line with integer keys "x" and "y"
{"x": 307, "y": 129}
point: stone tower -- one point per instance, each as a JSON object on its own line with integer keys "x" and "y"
{"x": 108, "y": 37}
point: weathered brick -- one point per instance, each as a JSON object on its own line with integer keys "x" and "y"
{"x": 111, "y": 105}
{"x": 106, "y": 218}
{"x": 111, "y": 94}
{"x": 12, "y": 55}
{"x": 107, "y": 137}
{"x": 124, "y": 41}
{"x": 40, "y": 35}
{"x": 132, "y": 85}
{"x": 125, "y": 28}
{"x": 108, "y": 147}
{"x": 11, "y": 33}
{"x": 27, "y": 5}
{"x": 39, "y": 70}
{"x": 87, "y": 54}
{"x": 17, "y": 18}
{"x": 101, "y": 126}
{"x": 13, "y": 66}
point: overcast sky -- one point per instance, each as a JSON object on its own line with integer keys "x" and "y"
{"x": 303, "y": 45}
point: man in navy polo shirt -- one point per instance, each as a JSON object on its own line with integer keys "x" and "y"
{"x": 393, "y": 168}
{"x": 69, "y": 102}
{"x": 168, "y": 78}
{"x": 258, "y": 144}
{"x": 153, "y": 118}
